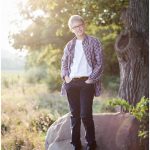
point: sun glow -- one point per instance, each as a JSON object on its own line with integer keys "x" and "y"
{"x": 9, "y": 16}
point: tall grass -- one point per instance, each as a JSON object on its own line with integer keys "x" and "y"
{"x": 29, "y": 109}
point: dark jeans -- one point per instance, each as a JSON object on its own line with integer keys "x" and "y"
{"x": 80, "y": 97}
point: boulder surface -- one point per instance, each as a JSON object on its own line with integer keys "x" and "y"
{"x": 113, "y": 131}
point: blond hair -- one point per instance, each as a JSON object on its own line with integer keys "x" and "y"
{"x": 74, "y": 18}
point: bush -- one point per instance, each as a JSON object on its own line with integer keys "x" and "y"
{"x": 41, "y": 123}
{"x": 36, "y": 74}
{"x": 140, "y": 111}
{"x": 54, "y": 103}
{"x": 54, "y": 80}
{"x": 5, "y": 124}
{"x": 102, "y": 106}
{"x": 21, "y": 139}
{"x": 4, "y": 128}
{"x": 5, "y": 83}
{"x": 111, "y": 82}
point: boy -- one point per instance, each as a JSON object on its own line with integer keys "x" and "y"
{"x": 81, "y": 69}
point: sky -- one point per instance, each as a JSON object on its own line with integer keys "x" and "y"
{"x": 9, "y": 12}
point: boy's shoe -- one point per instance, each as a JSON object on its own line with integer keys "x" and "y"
{"x": 77, "y": 147}
{"x": 92, "y": 147}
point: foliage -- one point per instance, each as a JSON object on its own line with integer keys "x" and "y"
{"x": 19, "y": 138}
{"x": 5, "y": 83}
{"x": 140, "y": 111}
{"x": 36, "y": 74}
{"x": 103, "y": 106}
{"x": 56, "y": 104}
{"x": 4, "y": 128}
{"x": 111, "y": 82}
{"x": 41, "y": 123}
{"x": 28, "y": 109}
{"x": 47, "y": 33}
{"x": 54, "y": 80}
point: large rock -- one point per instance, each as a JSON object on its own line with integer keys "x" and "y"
{"x": 114, "y": 131}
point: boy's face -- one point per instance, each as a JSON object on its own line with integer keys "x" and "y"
{"x": 78, "y": 28}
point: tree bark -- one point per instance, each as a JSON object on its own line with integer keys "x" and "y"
{"x": 132, "y": 48}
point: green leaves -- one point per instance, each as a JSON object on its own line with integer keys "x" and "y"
{"x": 120, "y": 102}
{"x": 140, "y": 111}
{"x": 48, "y": 26}
{"x": 53, "y": 22}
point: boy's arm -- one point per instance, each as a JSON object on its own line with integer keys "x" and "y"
{"x": 64, "y": 64}
{"x": 98, "y": 52}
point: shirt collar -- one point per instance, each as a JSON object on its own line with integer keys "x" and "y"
{"x": 85, "y": 40}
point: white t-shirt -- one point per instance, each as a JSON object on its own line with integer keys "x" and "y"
{"x": 80, "y": 66}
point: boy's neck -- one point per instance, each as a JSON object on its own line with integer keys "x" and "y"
{"x": 81, "y": 37}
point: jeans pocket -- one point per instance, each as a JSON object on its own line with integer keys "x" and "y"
{"x": 68, "y": 82}
{"x": 89, "y": 83}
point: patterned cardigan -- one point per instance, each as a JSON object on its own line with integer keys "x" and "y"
{"x": 94, "y": 54}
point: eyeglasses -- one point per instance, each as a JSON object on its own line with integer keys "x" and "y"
{"x": 75, "y": 27}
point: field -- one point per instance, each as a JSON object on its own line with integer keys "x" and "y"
{"x": 29, "y": 109}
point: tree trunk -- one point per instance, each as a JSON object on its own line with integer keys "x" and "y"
{"x": 132, "y": 50}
